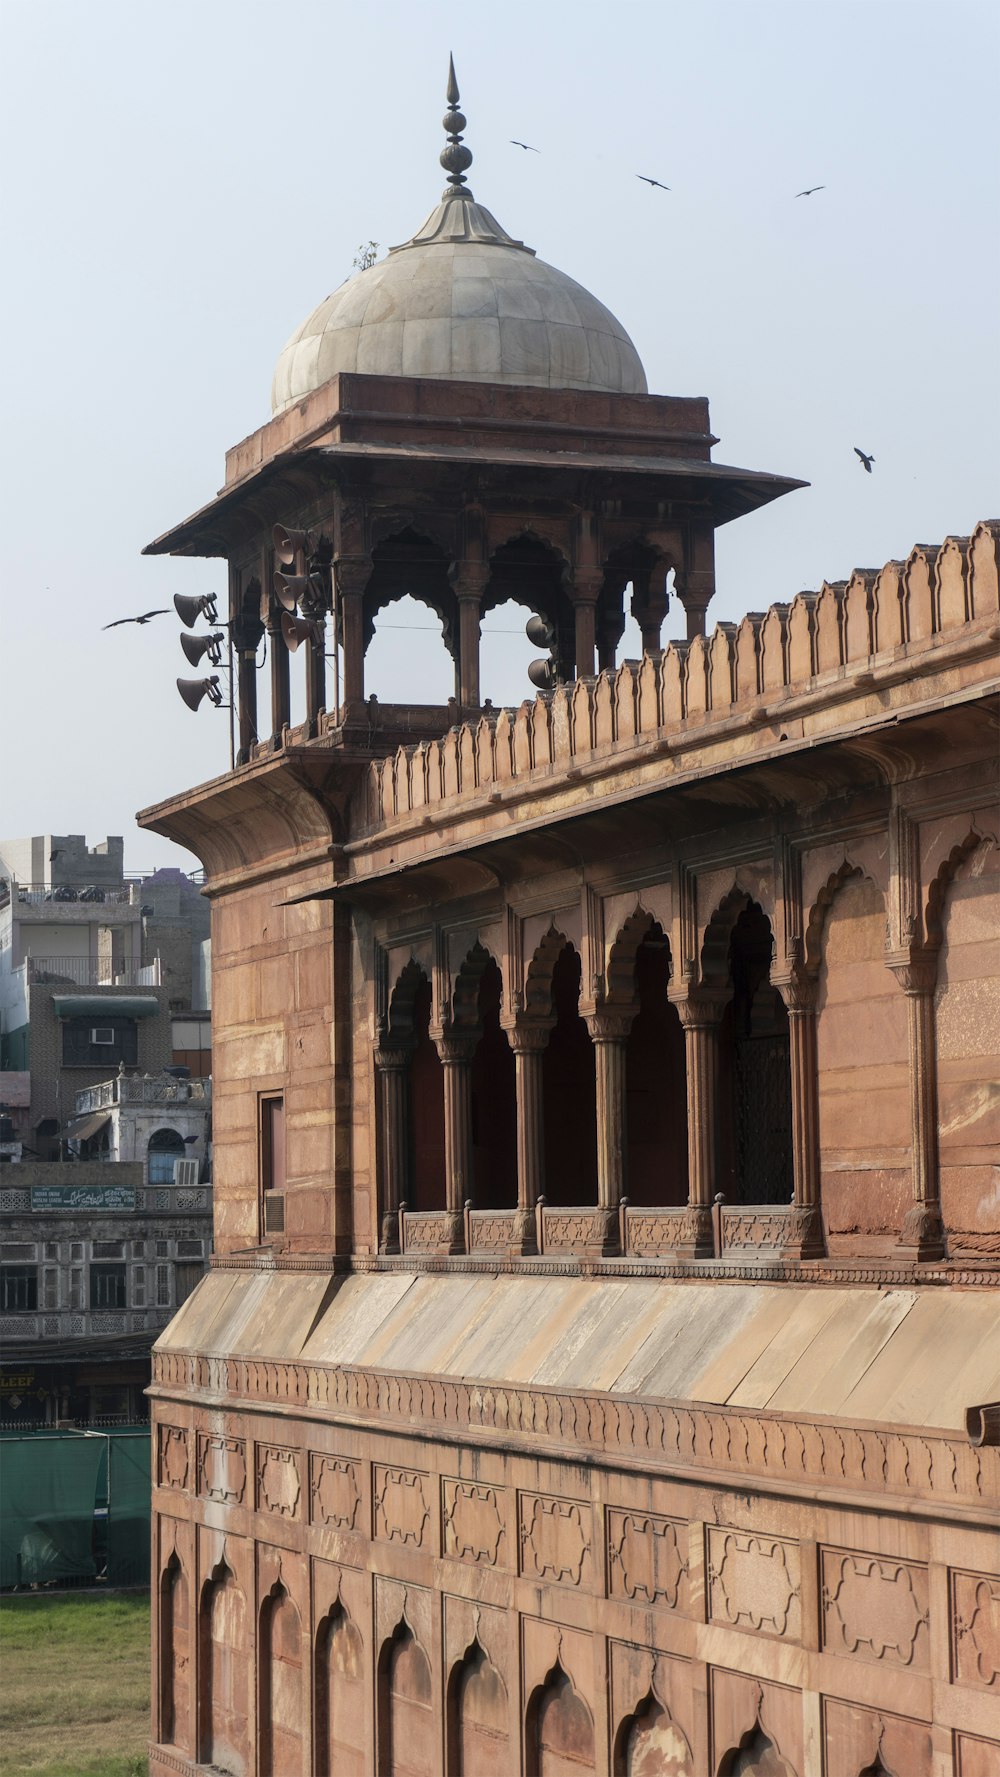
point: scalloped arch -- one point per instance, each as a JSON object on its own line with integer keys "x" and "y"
{"x": 819, "y": 912}
{"x": 948, "y": 870}
{"x": 538, "y": 975}
{"x": 628, "y": 941}
{"x": 402, "y": 998}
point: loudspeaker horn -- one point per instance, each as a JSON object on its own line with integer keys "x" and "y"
{"x": 196, "y": 647}
{"x": 288, "y": 543}
{"x": 297, "y": 630}
{"x": 190, "y": 609}
{"x": 542, "y": 674}
{"x": 194, "y": 690}
{"x": 539, "y": 632}
{"x": 290, "y": 589}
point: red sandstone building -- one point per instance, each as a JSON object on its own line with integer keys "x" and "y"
{"x": 598, "y": 1368}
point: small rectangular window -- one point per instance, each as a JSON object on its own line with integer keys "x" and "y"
{"x": 76, "y": 1289}
{"x": 50, "y": 1288}
{"x": 139, "y": 1286}
{"x": 18, "y": 1288}
{"x": 163, "y": 1286}
{"x": 272, "y": 1160}
{"x": 107, "y": 1286}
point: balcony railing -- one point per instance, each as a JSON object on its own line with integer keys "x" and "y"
{"x": 762, "y": 1232}
{"x": 142, "y": 1089}
{"x": 97, "y": 894}
{"x": 91, "y": 971}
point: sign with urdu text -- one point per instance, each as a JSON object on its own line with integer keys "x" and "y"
{"x": 82, "y": 1197}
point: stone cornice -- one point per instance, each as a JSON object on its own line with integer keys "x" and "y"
{"x": 932, "y": 1471}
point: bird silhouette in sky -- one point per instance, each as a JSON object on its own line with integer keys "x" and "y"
{"x": 143, "y": 619}
{"x": 648, "y": 181}
{"x": 866, "y": 460}
{"x": 525, "y": 145}
{"x": 809, "y": 190}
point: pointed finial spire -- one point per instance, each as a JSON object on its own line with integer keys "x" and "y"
{"x": 456, "y": 158}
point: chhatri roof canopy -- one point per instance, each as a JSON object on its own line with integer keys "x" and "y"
{"x": 462, "y": 300}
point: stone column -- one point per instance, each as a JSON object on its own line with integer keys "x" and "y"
{"x": 529, "y": 1042}
{"x": 609, "y": 1033}
{"x": 470, "y": 584}
{"x": 456, "y": 1054}
{"x": 587, "y": 583}
{"x": 393, "y": 1079}
{"x": 352, "y": 575}
{"x": 700, "y": 1014}
{"x": 281, "y": 695}
{"x": 922, "y": 1235}
{"x": 695, "y": 587}
{"x": 806, "y": 1227}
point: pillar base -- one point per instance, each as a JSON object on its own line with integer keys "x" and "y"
{"x": 804, "y": 1238}
{"x": 453, "y": 1231}
{"x": 922, "y": 1236}
{"x": 695, "y": 1236}
{"x": 607, "y": 1229}
{"x": 389, "y": 1232}
{"x": 524, "y": 1235}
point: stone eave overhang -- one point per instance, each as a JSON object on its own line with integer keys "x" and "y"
{"x": 294, "y": 478}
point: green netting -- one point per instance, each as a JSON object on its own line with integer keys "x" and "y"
{"x": 48, "y": 1489}
{"x": 128, "y": 1508}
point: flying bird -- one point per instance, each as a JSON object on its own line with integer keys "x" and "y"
{"x": 525, "y": 145}
{"x": 648, "y": 181}
{"x": 809, "y": 190}
{"x": 143, "y": 619}
{"x": 867, "y": 461}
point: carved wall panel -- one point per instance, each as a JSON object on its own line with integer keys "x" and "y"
{"x": 282, "y": 1688}
{"x": 402, "y": 1506}
{"x": 279, "y": 1487}
{"x": 556, "y": 1540}
{"x": 473, "y": 1522}
{"x": 754, "y": 1583}
{"x": 652, "y": 1713}
{"x": 855, "y": 1739}
{"x": 222, "y": 1468}
{"x": 334, "y": 1492}
{"x": 647, "y": 1559}
{"x": 173, "y": 1456}
{"x": 976, "y": 1629}
{"x": 478, "y": 1722}
{"x": 875, "y": 1608}
{"x": 752, "y": 1719}
{"x": 176, "y": 1645}
{"x": 341, "y": 1696}
{"x": 407, "y": 1728}
{"x": 975, "y": 1757}
{"x": 559, "y": 1729}
{"x": 225, "y": 1667}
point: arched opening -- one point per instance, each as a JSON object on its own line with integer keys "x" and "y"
{"x": 569, "y": 1093}
{"x": 426, "y": 1110}
{"x": 175, "y": 1656}
{"x": 281, "y": 1689}
{"x": 494, "y": 1102}
{"x": 478, "y": 1727}
{"x": 406, "y": 1712}
{"x": 756, "y": 1756}
{"x": 225, "y": 1739}
{"x": 531, "y": 574}
{"x": 505, "y": 654}
{"x": 755, "y": 1097}
{"x": 340, "y": 1698}
{"x": 656, "y": 1084}
{"x": 559, "y": 1730}
{"x": 165, "y": 1146}
{"x": 649, "y": 1744}
{"x": 863, "y": 1066}
{"x": 966, "y": 924}
{"x": 410, "y": 658}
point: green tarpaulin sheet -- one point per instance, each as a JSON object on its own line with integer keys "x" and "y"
{"x": 48, "y": 1488}
{"x": 128, "y": 1508}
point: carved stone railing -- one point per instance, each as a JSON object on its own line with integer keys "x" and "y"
{"x": 426, "y": 1232}
{"x": 584, "y": 1231}
{"x": 491, "y": 1230}
{"x": 653, "y": 1233}
{"x": 761, "y": 1227}
{"x": 835, "y": 639}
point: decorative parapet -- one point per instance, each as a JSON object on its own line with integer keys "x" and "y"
{"x": 834, "y": 641}
{"x": 788, "y": 1450}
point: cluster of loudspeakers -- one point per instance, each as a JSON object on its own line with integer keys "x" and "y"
{"x": 544, "y": 674}
{"x": 197, "y": 648}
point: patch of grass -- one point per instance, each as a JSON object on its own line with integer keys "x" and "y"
{"x": 75, "y": 1694}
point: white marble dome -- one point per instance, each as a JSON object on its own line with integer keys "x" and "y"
{"x": 464, "y": 302}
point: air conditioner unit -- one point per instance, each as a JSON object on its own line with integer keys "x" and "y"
{"x": 186, "y": 1172}
{"x": 102, "y": 1033}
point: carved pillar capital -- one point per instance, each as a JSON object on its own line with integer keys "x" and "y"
{"x": 698, "y": 1005}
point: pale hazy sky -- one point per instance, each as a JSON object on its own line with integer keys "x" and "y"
{"x": 186, "y": 181}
